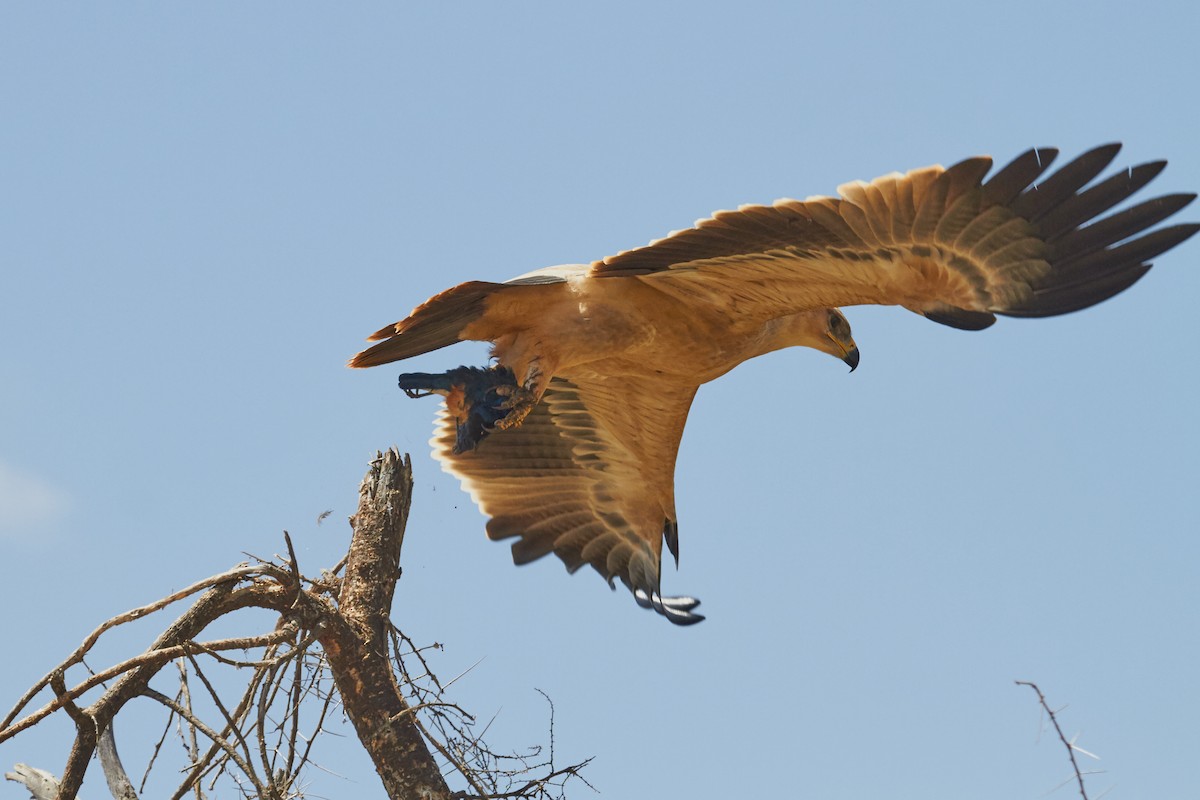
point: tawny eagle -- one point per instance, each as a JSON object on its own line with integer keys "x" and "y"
{"x": 568, "y": 442}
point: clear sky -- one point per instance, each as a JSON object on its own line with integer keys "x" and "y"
{"x": 204, "y": 210}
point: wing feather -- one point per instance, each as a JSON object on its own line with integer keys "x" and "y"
{"x": 1040, "y": 199}
{"x": 1077, "y": 210}
{"x": 942, "y": 242}
{"x": 588, "y": 476}
{"x": 1018, "y": 175}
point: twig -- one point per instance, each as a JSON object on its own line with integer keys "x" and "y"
{"x": 166, "y": 654}
{"x": 328, "y": 701}
{"x": 463, "y": 769}
{"x": 231, "y": 725}
{"x": 153, "y": 658}
{"x": 571, "y": 772}
{"x": 246, "y": 769}
{"x": 204, "y": 764}
{"x": 237, "y": 573}
{"x": 1062, "y": 737}
{"x": 166, "y": 731}
{"x": 192, "y": 742}
{"x": 400, "y": 719}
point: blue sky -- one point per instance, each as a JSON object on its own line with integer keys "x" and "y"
{"x": 204, "y": 210}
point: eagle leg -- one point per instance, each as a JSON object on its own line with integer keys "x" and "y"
{"x": 474, "y": 397}
{"x": 520, "y": 401}
{"x": 523, "y": 398}
{"x": 676, "y": 609}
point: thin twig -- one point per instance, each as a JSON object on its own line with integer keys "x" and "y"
{"x": 237, "y": 573}
{"x": 463, "y": 769}
{"x": 231, "y": 725}
{"x": 201, "y": 767}
{"x": 1061, "y": 736}
{"x": 192, "y": 742}
{"x": 166, "y": 732}
{"x": 151, "y": 658}
{"x": 246, "y": 769}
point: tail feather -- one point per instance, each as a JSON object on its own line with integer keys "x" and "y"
{"x": 434, "y": 324}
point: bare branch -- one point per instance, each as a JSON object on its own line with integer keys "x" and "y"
{"x": 119, "y": 785}
{"x": 218, "y": 600}
{"x": 1071, "y": 748}
{"x": 358, "y": 647}
{"x": 359, "y": 661}
{"x": 238, "y": 572}
{"x": 231, "y": 725}
{"x": 41, "y": 784}
{"x": 199, "y": 725}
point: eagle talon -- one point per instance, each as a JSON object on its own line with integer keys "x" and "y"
{"x": 676, "y": 609}
{"x": 520, "y": 402}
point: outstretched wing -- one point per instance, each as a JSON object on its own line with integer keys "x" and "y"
{"x": 588, "y": 476}
{"x": 944, "y": 243}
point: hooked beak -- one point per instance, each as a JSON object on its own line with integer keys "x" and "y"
{"x": 851, "y": 358}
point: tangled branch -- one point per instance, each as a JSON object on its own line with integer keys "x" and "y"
{"x": 333, "y": 644}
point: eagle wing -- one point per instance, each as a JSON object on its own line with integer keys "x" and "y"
{"x": 588, "y": 476}
{"x": 944, "y": 243}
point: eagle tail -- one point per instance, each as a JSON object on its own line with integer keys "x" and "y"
{"x": 436, "y": 323}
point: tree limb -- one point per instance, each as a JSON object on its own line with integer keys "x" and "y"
{"x": 41, "y": 784}
{"x": 119, "y": 785}
{"x": 362, "y": 651}
{"x": 357, "y": 642}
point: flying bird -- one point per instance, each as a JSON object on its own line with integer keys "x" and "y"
{"x": 568, "y": 442}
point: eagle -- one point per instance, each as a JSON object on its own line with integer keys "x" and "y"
{"x": 567, "y": 442}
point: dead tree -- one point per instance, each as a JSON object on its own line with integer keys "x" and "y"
{"x": 333, "y": 645}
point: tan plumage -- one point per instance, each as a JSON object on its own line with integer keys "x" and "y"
{"x": 608, "y": 357}
{"x": 587, "y": 472}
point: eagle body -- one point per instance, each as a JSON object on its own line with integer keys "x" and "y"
{"x": 568, "y": 442}
{"x": 625, "y": 328}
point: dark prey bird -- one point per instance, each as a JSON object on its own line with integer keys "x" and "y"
{"x": 568, "y": 443}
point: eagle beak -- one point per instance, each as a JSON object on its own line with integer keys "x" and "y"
{"x": 851, "y": 358}
{"x": 849, "y": 355}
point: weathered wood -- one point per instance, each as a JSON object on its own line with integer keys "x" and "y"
{"x": 357, "y": 644}
{"x": 353, "y": 632}
{"x": 119, "y": 785}
{"x": 41, "y": 784}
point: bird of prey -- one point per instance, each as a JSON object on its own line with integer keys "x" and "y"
{"x": 568, "y": 442}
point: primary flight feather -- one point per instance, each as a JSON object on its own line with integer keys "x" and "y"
{"x": 568, "y": 443}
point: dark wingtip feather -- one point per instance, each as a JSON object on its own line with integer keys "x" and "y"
{"x": 1079, "y": 283}
{"x": 1043, "y": 197}
{"x": 1065, "y": 299}
{"x": 1094, "y": 201}
{"x": 961, "y": 318}
{"x": 1090, "y": 258}
{"x": 1016, "y": 176}
{"x": 1120, "y": 226}
{"x": 1071, "y": 268}
{"x": 671, "y": 537}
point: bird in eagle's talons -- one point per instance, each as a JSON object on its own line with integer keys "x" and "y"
{"x": 477, "y": 398}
